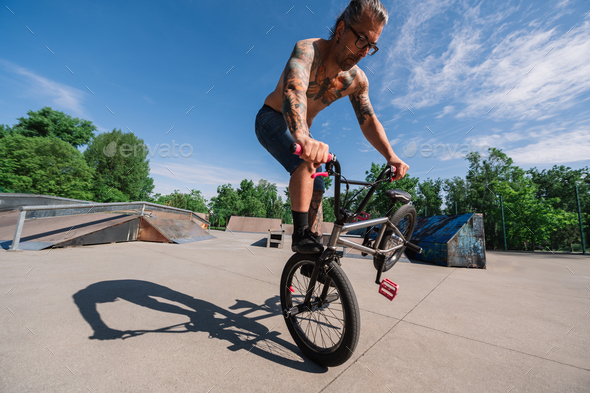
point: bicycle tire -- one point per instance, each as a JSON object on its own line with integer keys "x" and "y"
{"x": 390, "y": 238}
{"x": 309, "y": 327}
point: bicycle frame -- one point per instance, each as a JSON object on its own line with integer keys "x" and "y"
{"x": 343, "y": 224}
{"x": 336, "y": 240}
{"x": 344, "y": 219}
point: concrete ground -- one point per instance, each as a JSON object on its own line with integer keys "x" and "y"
{"x": 204, "y": 317}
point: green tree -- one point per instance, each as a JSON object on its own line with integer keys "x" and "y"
{"x": 46, "y": 166}
{"x": 121, "y": 167}
{"x": 193, "y": 201}
{"x": 5, "y": 130}
{"x": 287, "y": 215}
{"x": 558, "y": 184}
{"x": 328, "y": 209}
{"x": 455, "y": 193}
{"x": 250, "y": 203}
{"x": 429, "y": 201}
{"x": 380, "y": 204}
{"x": 481, "y": 197}
{"x": 225, "y": 204}
{"x": 49, "y": 122}
{"x": 268, "y": 195}
{"x": 530, "y": 220}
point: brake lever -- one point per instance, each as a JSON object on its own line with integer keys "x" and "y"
{"x": 392, "y": 171}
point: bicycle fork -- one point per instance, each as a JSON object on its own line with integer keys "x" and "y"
{"x": 324, "y": 299}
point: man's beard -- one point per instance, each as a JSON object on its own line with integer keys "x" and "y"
{"x": 347, "y": 63}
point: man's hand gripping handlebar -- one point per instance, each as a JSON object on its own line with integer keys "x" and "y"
{"x": 296, "y": 149}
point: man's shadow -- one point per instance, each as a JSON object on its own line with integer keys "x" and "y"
{"x": 241, "y": 331}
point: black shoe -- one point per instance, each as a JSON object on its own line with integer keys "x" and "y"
{"x": 306, "y": 242}
{"x": 317, "y": 237}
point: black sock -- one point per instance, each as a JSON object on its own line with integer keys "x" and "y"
{"x": 300, "y": 220}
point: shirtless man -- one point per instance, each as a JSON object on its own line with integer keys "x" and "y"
{"x": 318, "y": 73}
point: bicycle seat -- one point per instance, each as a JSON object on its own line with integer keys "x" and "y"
{"x": 399, "y": 195}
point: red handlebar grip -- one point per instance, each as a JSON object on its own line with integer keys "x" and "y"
{"x": 324, "y": 174}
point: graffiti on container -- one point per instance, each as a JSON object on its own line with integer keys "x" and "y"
{"x": 450, "y": 240}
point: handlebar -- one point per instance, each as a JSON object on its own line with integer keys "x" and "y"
{"x": 333, "y": 168}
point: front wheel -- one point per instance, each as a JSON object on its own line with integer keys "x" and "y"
{"x": 328, "y": 331}
{"x": 404, "y": 219}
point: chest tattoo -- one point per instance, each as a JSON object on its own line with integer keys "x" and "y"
{"x": 325, "y": 89}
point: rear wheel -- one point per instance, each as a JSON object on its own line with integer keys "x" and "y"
{"x": 404, "y": 219}
{"x": 328, "y": 331}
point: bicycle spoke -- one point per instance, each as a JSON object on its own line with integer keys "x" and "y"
{"x": 299, "y": 285}
{"x": 316, "y": 327}
{"x": 335, "y": 317}
{"x": 333, "y": 343}
{"x": 321, "y": 335}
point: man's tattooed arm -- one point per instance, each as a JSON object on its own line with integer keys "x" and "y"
{"x": 295, "y": 83}
{"x": 360, "y": 100}
{"x": 370, "y": 126}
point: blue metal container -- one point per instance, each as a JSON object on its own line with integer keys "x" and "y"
{"x": 450, "y": 240}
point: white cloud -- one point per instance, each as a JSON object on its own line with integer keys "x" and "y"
{"x": 446, "y": 110}
{"x": 549, "y": 148}
{"x": 483, "y": 57}
{"x": 542, "y": 84}
{"x": 195, "y": 174}
{"x": 559, "y": 142}
{"x": 62, "y": 96}
{"x": 366, "y": 147}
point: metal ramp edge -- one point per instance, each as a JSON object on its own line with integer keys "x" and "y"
{"x": 95, "y": 229}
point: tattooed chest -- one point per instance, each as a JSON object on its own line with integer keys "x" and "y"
{"x": 328, "y": 90}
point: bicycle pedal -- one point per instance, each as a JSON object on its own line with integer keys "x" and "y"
{"x": 388, "y": 289}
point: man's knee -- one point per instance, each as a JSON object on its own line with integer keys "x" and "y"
{"x": 305, "y": 167}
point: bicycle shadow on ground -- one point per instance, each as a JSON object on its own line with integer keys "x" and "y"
{"x": 243, "y": 332}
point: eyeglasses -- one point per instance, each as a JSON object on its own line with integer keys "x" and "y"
{"x": 362, "y": 43}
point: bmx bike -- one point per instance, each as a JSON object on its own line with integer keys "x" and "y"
{"x": 317, "y": 299}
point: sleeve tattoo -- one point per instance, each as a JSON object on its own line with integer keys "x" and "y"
{"x": 295, "y": 82}
{"x": 360, "y": 102}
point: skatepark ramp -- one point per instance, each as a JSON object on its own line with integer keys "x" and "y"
{"x": 253, "y": 224}
{"x": 450, "y": 240}
{"x": 326, "y": 228}
{"x": 63, "y": 225}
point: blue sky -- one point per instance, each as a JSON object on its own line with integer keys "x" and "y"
{"x": 457, "y": 74}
